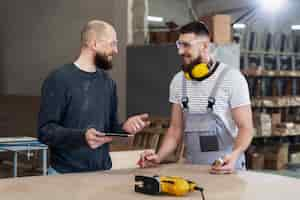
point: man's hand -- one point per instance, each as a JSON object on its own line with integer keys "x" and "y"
{"x": 136, "y": 123}
{"x": 95, "y": 139}
{"x": 148, "y": 159}
{"x": 228, "y": 166}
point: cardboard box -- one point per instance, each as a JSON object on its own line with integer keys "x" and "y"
{"x": 257, "y": 161}
{"x": 219, "y": 27}
{"x": 276, "y": 119}
{"x": 262, "y": 122}
{"x": 276, "y": 156}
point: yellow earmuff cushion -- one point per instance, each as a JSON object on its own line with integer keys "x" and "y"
{"x": 187, "y": 76}
{"x": 200, "y": 70}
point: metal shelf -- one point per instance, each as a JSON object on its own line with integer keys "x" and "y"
{"x": 291, "y": 139}
{"x": 272, "y": 53}
{"x": 272, "y": 73}
{"x": 276, "y": 102}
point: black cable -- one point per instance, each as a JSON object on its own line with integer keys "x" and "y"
{"x": 201, "y": 190}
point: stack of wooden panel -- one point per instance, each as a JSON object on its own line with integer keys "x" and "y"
{"x": 262, "y": 122}
{"x": 284, "y": 129}
{"x": 272, "y": 125}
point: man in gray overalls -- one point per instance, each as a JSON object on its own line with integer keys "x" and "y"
{"x": 211, "y": 108}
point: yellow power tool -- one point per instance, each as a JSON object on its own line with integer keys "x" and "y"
{"x": 171, "y": 185}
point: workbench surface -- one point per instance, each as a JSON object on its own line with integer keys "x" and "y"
{"x": 119, "y": 184}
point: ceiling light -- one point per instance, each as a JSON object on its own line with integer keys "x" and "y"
{"x": 239, "y": 26}
{"x": 155, "y": 19}
{"x": 295, "y": 27}
{"x": 272, "y": 5}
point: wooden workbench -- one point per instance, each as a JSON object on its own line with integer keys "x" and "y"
{"x": 119, "y": 184}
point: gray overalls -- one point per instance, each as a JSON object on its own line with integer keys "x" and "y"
{"x": 205, "y": 134}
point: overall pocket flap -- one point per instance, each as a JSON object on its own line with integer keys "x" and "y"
{"x": 200, "y": 123}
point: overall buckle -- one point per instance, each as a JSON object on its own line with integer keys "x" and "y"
{"x": 211, "y": 103}
{"x": 185, "y": 101}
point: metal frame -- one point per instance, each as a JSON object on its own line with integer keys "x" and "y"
{"x": 25, "y": 146}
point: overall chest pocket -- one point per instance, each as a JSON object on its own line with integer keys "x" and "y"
{"x": 201, "y": 133}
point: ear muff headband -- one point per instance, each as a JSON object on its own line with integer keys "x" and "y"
{"x": 199, "y": 72}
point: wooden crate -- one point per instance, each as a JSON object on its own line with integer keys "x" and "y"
{"x": 256, "y": 161}
{"x": 276, "y": 156}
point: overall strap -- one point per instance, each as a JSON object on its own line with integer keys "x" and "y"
{"x": 212, "y": 96}
{"x": 184, "y": 98}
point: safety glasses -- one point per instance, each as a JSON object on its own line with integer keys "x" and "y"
{"x": 185, "y": 44}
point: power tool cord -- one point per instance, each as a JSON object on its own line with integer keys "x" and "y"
{"x": 202, "y": 192}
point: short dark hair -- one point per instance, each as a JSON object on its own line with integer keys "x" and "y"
{"x": 196, "y": 27}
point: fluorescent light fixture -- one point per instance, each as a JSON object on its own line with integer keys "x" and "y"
{"x": 239, "y": 26}
{"x": 272, "y": 5}
{"x": 155, "y": 19}
{"x": 295, "y": 27}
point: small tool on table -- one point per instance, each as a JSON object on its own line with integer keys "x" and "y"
{"x": 171, "y": 185}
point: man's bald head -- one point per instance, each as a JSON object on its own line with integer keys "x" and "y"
{"x": 96, "y": 30}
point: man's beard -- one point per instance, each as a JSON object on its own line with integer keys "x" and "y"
{"x": 193, "y": 63}
{"x": 102, "y": 62}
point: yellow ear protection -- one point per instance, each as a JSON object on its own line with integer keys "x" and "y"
{"x": 198, "y": 71}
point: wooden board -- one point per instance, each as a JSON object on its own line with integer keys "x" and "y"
{"x": 119, "y": 184}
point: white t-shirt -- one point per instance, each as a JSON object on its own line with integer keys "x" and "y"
{"x": 232, "y": 93}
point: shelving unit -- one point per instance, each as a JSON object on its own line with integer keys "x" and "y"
{"x": 272, "y": 73}
{"x": 274, "y": 83}
{"x": 276, "y": 102}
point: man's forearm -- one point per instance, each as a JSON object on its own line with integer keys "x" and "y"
{"x": 243, "y": 140}
{"x": 55, "y": 135}
{"x": 170, "y": 142}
